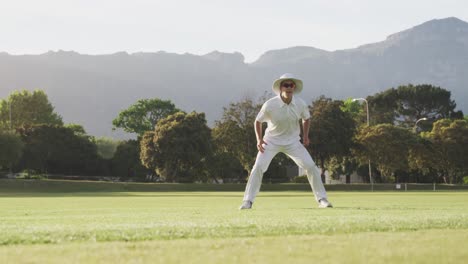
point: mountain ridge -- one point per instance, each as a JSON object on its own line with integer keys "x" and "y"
{"x": 92, "y": 89}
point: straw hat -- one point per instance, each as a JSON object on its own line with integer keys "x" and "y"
{"x": 287, "y": 76}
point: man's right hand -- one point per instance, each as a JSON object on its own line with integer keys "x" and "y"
{"x": 260, "y": 145}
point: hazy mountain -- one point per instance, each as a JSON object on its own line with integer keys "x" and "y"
{"x": 92, "y": 90}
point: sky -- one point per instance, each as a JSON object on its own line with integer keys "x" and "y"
{"x": 250, "y": 27}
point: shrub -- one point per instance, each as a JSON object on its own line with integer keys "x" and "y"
{"x": 301, "y": 179}
{"x": 465, "y": 180}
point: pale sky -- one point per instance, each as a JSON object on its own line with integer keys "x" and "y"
{"x": 199, "y": 27}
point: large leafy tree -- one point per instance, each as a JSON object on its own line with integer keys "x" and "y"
{"x": 148, "y": 151}
{"x": 56, "y": 149}
{"x": 11, "y": 149}
{"x": 180, "y": 148}
{"x": 144, "y": 115}
{"x": 423, "y": 161}
{"x": 406, "y": 104}
{"x": 235, "y": 133}
{"x": 354, "y": 109}
{"x": 387, "y": 146}
{"x": 450, "y": 140}
{"x": 331, "y": 131}
{"x": 27, "y": 108}
{"x": 125, "y": 161}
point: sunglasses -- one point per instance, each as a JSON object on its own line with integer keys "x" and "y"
{"x": 288, "y": 85}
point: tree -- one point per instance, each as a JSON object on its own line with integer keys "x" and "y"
{"x": 406, "y": 104}
{"x": 344, "y": 165}
{"x": 382, "y": 107}
{"x": 148, "y": 151}
{"x": 28, "y": 108}
{"x": 77, "y": 129}
{"x": 423, "y": 160}
{"x": 224, "y": 166}
{"x": 235, "y": 133}
{"x": 144, "y": 115}
{"x": 106, "y": 147}
{"x": 331, "y": 131}
{"x": 125, "y": 161}
{"x": 180, "y": 148}
{"x": 355, "y": 109}
{"x": 11, "y": 149}
{"x": 450, "y": 140}
{"x": 56, "y": 149}
{"x": 387, "y": 146}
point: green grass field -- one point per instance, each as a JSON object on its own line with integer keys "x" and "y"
{"x": 207, "y": 227}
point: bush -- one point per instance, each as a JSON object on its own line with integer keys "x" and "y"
{"x": 301, "y": 179}
{"x": 31, "y": 175}
{"x": 465, "y": 180}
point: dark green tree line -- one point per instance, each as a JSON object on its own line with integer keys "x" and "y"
{"x": 57, "y": 149}
{"x": 181, "y": 147}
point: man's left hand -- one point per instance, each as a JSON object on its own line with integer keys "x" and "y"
{"x": 305, "y": 141}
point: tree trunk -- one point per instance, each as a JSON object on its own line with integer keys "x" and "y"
{"x": 322, "y": 167}
{"x": 248, "y": 174}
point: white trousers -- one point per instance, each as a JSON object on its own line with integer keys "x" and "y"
{"x": 298, "y": 153}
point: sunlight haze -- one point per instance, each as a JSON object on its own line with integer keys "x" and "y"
{"x": 199, "y": 27}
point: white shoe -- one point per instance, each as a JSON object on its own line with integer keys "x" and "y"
{"x": 246, "y": 205}
{"x": 324, "y": 203}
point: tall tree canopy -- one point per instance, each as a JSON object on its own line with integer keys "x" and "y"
{"x": 125, "y": 161}
{"x": 387, "y": 146}
{"x": 235, "y": 132}
{"x": 28, "y": 108}
{"x": 450, "y": 140}
{"x": 144, "y": 115}
{"x": 331, "y": 131}
{"x": 355, "y": 109}
{"x": 180, "y": 148}
{"x": 406, "y": 104}
{"x": 423, "y": 161}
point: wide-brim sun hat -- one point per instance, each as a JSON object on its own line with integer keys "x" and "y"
{"x": 287, "y": 76}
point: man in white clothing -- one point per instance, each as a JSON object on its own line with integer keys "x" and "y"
{"x": 283, "y": 114}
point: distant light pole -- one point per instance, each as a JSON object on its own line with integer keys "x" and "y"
{"x": 367, "y": 107}
{"x": 368, "y": 124}
{"x": 416, "y": 124}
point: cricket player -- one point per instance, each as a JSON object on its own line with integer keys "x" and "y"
{"x": 283, "y": 114}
